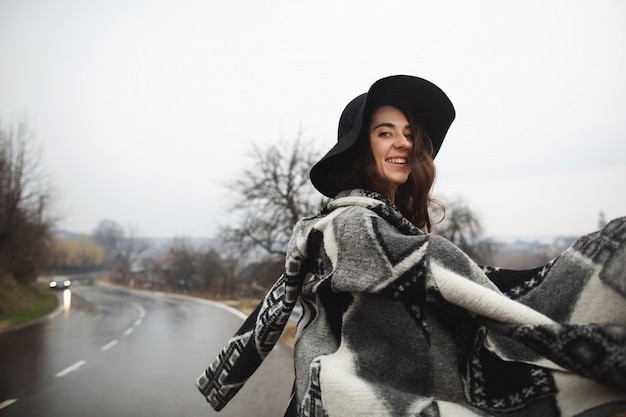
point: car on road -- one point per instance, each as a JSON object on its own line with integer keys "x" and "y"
{"x": 60, "y": 282}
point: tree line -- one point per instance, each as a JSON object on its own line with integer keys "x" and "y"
{"x": 26, "y": 221}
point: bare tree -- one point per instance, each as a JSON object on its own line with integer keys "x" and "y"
{"x": 123, "y": 249}
{"x": 127, "y": 258}
{"x": 182, "y": 264}
{"x": 273, "y": 195}
{"x": 110, "y": 235}
{"x": 230, "y": 267}
{"x": 213, "y": 273}
{"x": 189, "y": 268}
{"x": 25, "y": 198}
{"x": 462, "y": 227}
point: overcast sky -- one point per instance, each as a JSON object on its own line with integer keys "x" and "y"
{"x": 145, "y": 109}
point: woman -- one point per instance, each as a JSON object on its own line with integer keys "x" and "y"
{"x": 398, "y": 322}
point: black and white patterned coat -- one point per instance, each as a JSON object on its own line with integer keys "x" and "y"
{"x": 397, "y": 322}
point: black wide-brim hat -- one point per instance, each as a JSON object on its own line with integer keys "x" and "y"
{"x": 425, "y": 102}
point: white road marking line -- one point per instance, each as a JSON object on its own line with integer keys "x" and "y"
{"x": 109, "y": 345}
{"x": 210, "y": 302}
{"x": 7, "y": 403}
{"x": 129, "y": 331}
{"x": 71, "y": 368}
{"x": 142, "y": 311}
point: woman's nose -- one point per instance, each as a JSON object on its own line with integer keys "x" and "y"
{"x": 403, "y": 142}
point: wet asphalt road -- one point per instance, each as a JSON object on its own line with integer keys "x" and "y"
{"x": 113, "y": 352}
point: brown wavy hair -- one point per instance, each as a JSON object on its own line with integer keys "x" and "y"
{"x": 357, "y": 169}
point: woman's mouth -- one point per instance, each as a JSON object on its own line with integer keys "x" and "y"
{"x": 396, "y": 160}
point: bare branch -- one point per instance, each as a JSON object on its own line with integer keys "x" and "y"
{"x": 462, "y": 227}
{"x": 25, "y": 201}
{"x": 273, "y": 194}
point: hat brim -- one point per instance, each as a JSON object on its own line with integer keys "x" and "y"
{"x": 426, "y": 102}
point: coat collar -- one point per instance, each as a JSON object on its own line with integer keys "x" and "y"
{"x": 379, "y": 204}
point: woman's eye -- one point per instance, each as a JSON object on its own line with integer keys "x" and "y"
{"x": 409, "y": 136}
{"x": 384, "y": 134}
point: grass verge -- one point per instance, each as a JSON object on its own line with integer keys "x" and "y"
{"x": 21, "y": 303}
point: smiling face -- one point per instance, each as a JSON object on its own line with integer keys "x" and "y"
{"x": 391, "y": 141}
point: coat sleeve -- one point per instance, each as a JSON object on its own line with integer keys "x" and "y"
{"x": 249, "y": 346}
{"x": 571, "y": 312}
{"x": 239, "y": 358}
